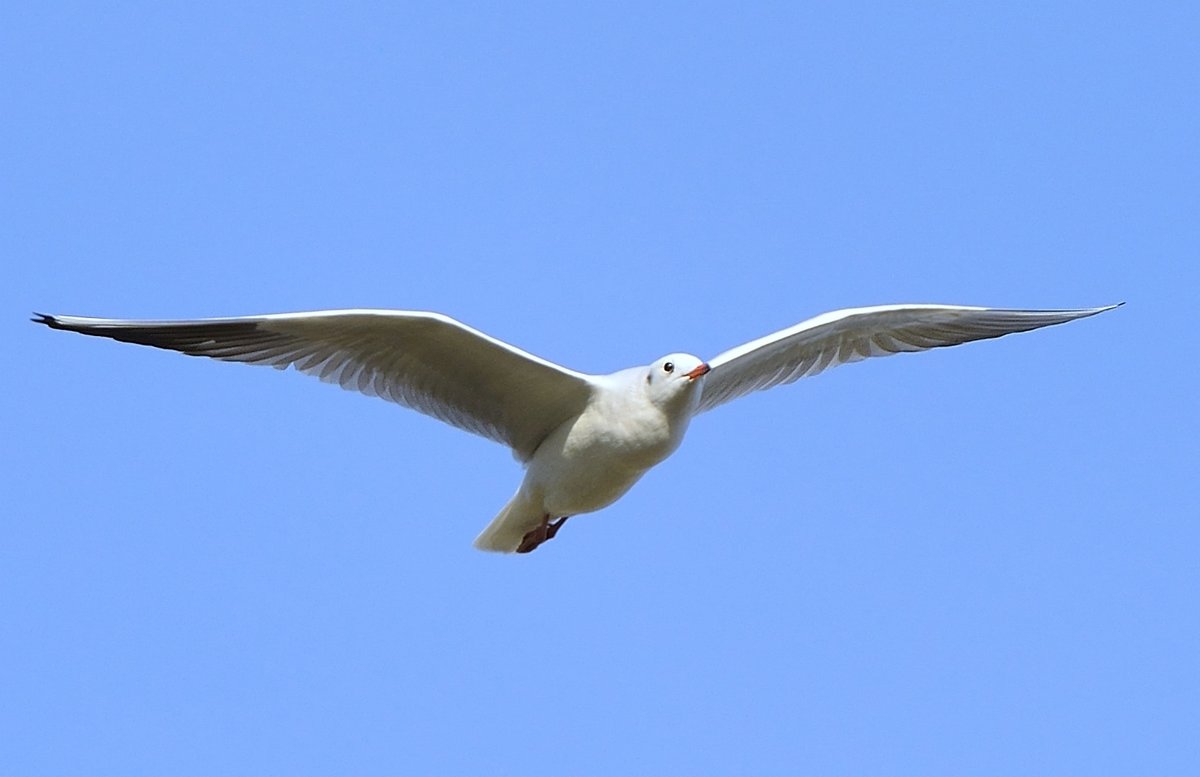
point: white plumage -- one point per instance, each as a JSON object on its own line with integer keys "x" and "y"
{"x": 585, "y": 439}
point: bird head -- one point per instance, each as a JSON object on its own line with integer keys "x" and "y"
{"x": 674, "y": 376}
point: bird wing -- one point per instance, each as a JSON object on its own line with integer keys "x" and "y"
{"x": 851, "y": 335}
{"x": 425, "y": 361}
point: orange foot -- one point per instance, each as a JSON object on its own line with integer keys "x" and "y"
{"x": 540, "y": 533}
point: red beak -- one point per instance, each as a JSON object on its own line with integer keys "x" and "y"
{"x": 697, "y": 372}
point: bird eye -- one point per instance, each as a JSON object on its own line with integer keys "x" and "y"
{"x": 669, "y": 367}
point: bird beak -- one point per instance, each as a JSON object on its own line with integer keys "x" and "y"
{"x": 697, "y": 372}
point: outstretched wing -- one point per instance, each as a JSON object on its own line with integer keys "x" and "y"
{"x": 425, "y": 361}
{"x": 854, "y": 334}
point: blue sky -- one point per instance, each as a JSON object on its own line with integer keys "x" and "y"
{"x": 975, "y": 561}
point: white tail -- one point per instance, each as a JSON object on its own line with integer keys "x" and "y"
{"x": 507, "y": 529}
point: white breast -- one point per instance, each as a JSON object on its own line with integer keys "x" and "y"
{"x": 590, "y": 462}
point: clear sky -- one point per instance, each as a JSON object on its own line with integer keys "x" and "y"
{"x": 981, "y": 560}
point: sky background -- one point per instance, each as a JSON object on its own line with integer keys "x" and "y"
{"x": 981, "y": 560}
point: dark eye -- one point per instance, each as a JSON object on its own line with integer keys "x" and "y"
{"x": 668, "y": 367}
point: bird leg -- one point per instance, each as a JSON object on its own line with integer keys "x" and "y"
{"x": 540, "y": 533}
{"x": 552, "y": 528}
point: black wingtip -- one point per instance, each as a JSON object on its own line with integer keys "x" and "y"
{"x": 42, "y": 318}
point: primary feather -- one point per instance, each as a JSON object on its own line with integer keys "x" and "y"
{"x": 854, "y": 334}
{"x": 426, "y": 361}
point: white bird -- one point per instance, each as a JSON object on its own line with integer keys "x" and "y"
{"x": 584, "y": 439}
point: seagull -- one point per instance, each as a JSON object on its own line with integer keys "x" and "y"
{"x": 583, "y": 439}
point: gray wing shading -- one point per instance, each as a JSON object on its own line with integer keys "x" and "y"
{"x": 425, "y": 361}
{"x": 854, "y": 334}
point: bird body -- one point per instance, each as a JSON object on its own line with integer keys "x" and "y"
{"x": 585, "y": 439}
{"x": 634, "y": 421}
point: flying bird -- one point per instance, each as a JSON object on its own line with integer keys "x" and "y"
{"x": 584, "y": 439}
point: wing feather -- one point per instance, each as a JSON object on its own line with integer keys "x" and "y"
{"x": 854, "y": 334}
{"x": 425, "y": 361}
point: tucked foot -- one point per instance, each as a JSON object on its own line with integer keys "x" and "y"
{"x": 540, "y": 533}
